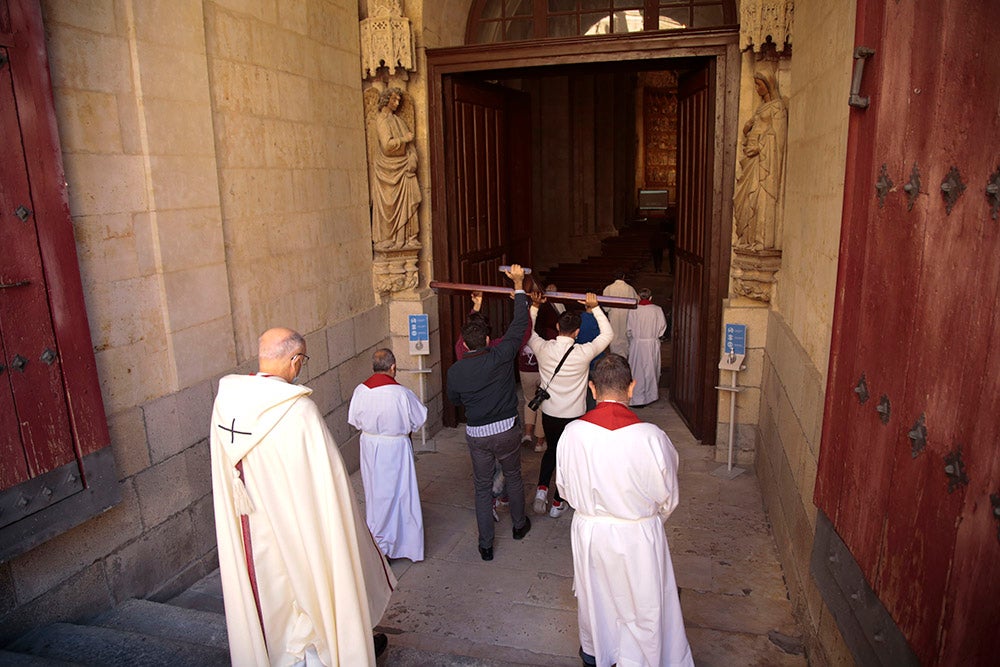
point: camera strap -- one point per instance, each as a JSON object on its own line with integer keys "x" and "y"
{"x": 568, "y": 350}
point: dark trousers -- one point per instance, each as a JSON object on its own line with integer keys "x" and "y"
{"x": 554, "y": 427}
{"x": 506, "y": 448}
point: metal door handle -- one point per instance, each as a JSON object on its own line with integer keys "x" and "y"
{"x": 861, "y": 54}
{"x": 20, "y": 283}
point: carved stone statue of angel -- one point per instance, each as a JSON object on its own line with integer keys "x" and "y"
{"x": 395, "y": 191}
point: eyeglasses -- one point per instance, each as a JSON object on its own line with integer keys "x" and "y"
{"x": 305, "y": 357}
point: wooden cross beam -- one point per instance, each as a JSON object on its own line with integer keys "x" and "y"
{"x": 564, "y": 297}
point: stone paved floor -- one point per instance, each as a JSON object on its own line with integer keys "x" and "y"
{"x": 519, "y": 609}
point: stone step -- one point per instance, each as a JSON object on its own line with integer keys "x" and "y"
{"x": 167, "y": 622}
{"x": 8, "y": 659}
{"x": 108, "y": 647}
{"x": 204, "y": 595}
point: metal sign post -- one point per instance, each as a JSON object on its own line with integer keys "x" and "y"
{"x": 420, "y": 339}
{"x": 732, "y": 360}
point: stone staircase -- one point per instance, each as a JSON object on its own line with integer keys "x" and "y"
{"x": 186, "y": 631}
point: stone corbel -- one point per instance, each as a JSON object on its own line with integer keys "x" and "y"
{"x": 395, "y": 270}
{"x": 764, "y": 22}
{"x": 754, "y": 273}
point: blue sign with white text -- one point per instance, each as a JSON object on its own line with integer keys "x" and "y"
{"x": 420, "y": 334}
{"x": 736, "y": 338}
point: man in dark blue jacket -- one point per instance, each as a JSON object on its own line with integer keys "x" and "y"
{"x": 482, "y": 382}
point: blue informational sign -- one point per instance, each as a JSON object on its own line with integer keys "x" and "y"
{"x": 420, "y": 334}
{"x": 736, "y": 338}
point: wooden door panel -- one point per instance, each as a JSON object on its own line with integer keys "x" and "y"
{"x": 57, "y": 469}
{"x": 483, "y": 166}
{"x": 691, "y": 293}
{"x": 33, "y": 374}
{"x": 952, "y": 334}
{"x": 916, "y": 313}
{"x": 687, "y": 318}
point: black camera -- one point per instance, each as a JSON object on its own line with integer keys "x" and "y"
{"x": 540, "y": 396}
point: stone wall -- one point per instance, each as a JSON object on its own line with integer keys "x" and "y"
{"x": 215, "y": 157}
{"x": 799, "y": 325}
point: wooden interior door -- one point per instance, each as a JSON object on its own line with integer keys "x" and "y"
{"x": 909, "y": 470}
{"x": 488, "y": 195}
{"x": 692, "y": 388}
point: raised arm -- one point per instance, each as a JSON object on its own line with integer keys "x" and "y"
{"x": 607, "y": 333}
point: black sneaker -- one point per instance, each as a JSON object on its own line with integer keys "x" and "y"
{"x": 519, "y": 533}
{"x": 486, "y": 553}
{"x": 381, "y": 642}
{"x": 588, "y": 660}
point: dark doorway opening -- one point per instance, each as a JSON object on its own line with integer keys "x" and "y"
{"x": 570, "y": 140}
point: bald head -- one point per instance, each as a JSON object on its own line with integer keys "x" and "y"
{"x": 281, "y": 352}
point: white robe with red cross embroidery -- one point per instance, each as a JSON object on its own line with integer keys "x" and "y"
{"x": 321, "y": 579}
{"x": 386, "y": 413}
{"x": 620, "y": 475}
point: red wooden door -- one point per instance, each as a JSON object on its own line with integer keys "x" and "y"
{"x": 693, "y": 371}
{"x": 56, "y": 465}
{"x": 918, "y": 306}
{"x": 488, "y": 198}
{"x": 36, "y": 437}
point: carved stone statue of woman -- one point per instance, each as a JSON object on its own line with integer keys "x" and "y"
{"x": 755, "y": 201}
{"x": 395, "y": 191}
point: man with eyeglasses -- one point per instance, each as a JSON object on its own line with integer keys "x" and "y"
{"x": 302, "y": 579}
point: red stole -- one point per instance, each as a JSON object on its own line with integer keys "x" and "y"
{"x": 379, "y": 380}
{"x": 612, "y": 416}
{"x": 645, "y": 302}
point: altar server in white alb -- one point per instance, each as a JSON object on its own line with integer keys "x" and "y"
{"x": 620, "y": 474}
{"x": 386, "y": 413}
{"x": 644, "y": 326}
{"x": 302, "y": 579}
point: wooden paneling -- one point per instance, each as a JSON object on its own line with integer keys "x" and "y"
{"x": 35, "y": 387}
{"x": 691, "y": 289}
{"x": 916, "y": 313}
{"x": 52, "y": 405}
{"x": 488, "y": 185}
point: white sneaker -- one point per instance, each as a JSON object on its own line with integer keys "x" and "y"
{"x": 558, "y": 509}
{"x": 541, "y": 496}
{"x": 540, "y": 446}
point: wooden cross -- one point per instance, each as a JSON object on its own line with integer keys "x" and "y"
{"x": 564, "y": 297}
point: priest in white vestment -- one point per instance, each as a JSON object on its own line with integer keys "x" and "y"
{"x": 303, "y": 581}
{"x": 644, "y": 326}
{"x": 618, "y": 316}
{"x": 386, "y": 413}
{"x": 620, "y": 475}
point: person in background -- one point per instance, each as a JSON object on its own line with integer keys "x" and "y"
{"x": 644, "y": 326}
{"x": 617, "y": 316}
{"x": 527, "y": 368}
